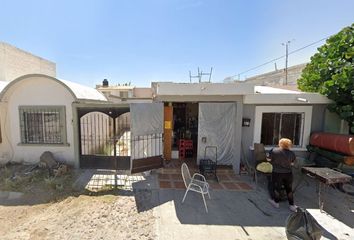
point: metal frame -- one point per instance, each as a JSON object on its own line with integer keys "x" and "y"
{"x": 99, "y": 137}
{"x": 208, "y": 166}
{"x": 40, "y": 127}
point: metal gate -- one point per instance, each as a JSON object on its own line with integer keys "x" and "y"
{"x": 105, "y": 139}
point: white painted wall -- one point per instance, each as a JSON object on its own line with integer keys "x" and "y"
{"x": 34, "y": 91}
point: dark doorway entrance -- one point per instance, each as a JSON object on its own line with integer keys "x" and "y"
{"x": 185, "y": 130}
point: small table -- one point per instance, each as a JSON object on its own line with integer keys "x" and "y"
{"x": 326, "y": 177}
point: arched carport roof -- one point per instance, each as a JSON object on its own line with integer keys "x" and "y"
{"x": 78, "y": 91}
{"x": 3, "y": 84}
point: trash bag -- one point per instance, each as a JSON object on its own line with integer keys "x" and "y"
{"x": 302, "y": 226}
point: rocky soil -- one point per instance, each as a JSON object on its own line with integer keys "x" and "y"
{"x": 46, "y": 212}
{"x": 83, "y": 217}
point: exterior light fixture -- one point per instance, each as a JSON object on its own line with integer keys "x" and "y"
{"x": 246, "y": 122}
{"x": 302, "y": 100}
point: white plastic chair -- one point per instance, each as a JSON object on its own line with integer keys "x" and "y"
{"x": 192, "y": 184}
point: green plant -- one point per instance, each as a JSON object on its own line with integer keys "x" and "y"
{"x": 105, "y": 149}
{"x": 50, "y": 182}
{"x": 5, "y": 173}
{"x": 331, "y": 73}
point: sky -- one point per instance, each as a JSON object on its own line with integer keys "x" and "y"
{"x": 162, "y": 40}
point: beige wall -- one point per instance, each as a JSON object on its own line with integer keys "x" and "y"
{"x": 142, "y": 92}
{"x": 15, "y": 62}
{"x": 134, "y": 94}
{"x": 277, "y": 78}
{"x": 34, "y": 91}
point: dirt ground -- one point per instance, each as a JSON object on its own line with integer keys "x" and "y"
{"x": 51, "y": 209}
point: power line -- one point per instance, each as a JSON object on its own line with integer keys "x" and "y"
{"x": 275, "y": 59}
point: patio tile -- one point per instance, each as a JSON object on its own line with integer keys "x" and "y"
{"x": 176, "y": 177}
{"x": 179, "y": 185}
{"x": 163, "y": 176}
{"x": 225, "y": 171}
{"x": 231, "y": 186}
{"x": 223, "y": 177}
{"x": 215, "y": 186}
{"x": 244, "y": 186}
{"x": 233, "y": 177}
{"x": 165, "y": 184}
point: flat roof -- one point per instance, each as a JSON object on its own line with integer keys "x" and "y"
{"x": 248, "y": 93}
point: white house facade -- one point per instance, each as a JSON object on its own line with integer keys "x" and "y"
{"x": 82, "y": 128}
{"x": 37, "y": 116}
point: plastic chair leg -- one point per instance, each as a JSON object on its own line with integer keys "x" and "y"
{"x": 185, "y": 195}
{"x": 206, "y": 208}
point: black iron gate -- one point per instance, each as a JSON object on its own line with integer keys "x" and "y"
{"x": 105, "y": 139}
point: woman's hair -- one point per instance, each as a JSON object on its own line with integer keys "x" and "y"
{"x": 285, "y": 143}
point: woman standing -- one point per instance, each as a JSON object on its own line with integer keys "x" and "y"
{"x": 282, "y": 159}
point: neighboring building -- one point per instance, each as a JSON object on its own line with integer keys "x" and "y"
{"x": 276, "y": 78}
{"x": 15, "y": 62}
{"x": 124, "y": 93}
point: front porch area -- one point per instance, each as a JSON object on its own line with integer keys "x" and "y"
{"x": 233, "y": 213}
{"x": 169, "y": 177}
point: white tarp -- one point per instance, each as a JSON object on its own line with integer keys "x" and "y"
{"x": 217, "y": 125}
{"x": 146, "y": 129}
{"x": 146, "y": 118}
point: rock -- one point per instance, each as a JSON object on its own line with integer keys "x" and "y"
{"x": 61, "y": 170}
{"x": 47, "y": 160}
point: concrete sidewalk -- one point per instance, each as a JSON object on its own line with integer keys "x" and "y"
{"x": 235, "y": 214}
{"x": 246, "y": 215}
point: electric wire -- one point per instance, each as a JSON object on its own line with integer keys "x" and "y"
{"x": 276, "y": 59}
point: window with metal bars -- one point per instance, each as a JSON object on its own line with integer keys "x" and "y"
{"x": 42, "y": 124}
{"x": 282, "y": 125}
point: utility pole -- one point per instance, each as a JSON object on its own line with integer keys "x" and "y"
{"x": 286, "y": 60}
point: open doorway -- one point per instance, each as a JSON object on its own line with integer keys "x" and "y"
{"x": 185, "y": 131}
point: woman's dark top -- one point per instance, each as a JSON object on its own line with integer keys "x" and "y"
{"x": 281, "y": 160}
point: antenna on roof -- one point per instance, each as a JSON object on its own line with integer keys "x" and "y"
{"x": 195, "y": 76}
{"x": 201, "y": 74}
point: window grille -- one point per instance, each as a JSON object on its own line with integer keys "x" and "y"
{"x": 42, "y": 125}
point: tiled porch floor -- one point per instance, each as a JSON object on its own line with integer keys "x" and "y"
{"x": 170, "y": 177}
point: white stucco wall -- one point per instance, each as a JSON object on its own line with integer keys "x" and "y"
{"x": 34, "y": 91}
